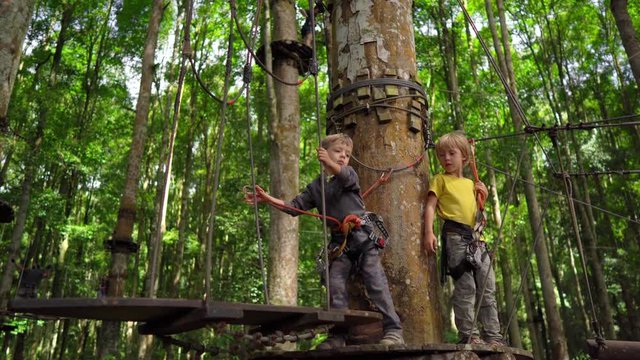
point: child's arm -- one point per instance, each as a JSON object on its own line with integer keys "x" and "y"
{"x": 329, "y": 165}
{"x": 261, "y": 196}
{"x": 429, "y": 241}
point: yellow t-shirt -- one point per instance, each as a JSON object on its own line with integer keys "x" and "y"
{"x": 456, "y": 198}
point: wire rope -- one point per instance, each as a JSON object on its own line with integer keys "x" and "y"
{"x": 253, "y": 54}
{"x": 247, "y": 81}
{"x": 313, "y": 70}
{"x": 218, "y": 159}
{"x": 568, "y": 187}
{"x": 485, "y": 281}
{"x": 510, "y": 93}
{"x": 558, "y": 193}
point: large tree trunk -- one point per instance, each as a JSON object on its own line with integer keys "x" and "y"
{"x": 15, "y": 17}
{"x": 126, "y": 215}
{"x": 31, "y": 163}
{"x": 373, "y": 40}
{"x": 284, "y": 164}
{"x": 628, "y": 35}
{"x": 554, "y": 324}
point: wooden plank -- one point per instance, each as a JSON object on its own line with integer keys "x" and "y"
{"x": 401, "y": 352}
{"x": 107, "y": 308}
{"x": 172, "y": 316}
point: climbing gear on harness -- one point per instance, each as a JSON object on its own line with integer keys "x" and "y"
{"x": 475, "y": 254}
{"x": 481, "y": 215}
{"x": 379, "y": 234}
{"x": 475, "y": 251}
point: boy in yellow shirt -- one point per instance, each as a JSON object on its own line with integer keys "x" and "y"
{"x": 453, "y": 197}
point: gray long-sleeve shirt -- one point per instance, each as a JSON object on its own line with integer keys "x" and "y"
{"x": 342, "y": 194}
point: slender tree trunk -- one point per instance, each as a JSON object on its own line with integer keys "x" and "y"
{"x": 596, "y": 265}
{"x": 514, "y": 330}
{"x": 284, "y": 164}
{"x": 451, "y": 68}
{"x": 629, "y": 37}
{"x": 15, "y": 17}
{"x": 556, "y": 330}
{"x": 373, "y": 40}
{"x": 184, "y": 202}
{"x": 120, "y": 250}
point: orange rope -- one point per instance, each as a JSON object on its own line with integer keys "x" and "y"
{"x": 480, "y": 197}
{"x": 383, "y": 179}
{"x": 350, "y": 222}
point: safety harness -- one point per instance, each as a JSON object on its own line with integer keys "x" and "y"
{"x": 477, "y": 250}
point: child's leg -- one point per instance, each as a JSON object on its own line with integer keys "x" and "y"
{"x": 464, "y": 292}
{"x": 378, "y": 289}
{"x": 488, "y": 314}
{"x": 338, "y": 276}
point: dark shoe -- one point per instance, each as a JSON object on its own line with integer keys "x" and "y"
{"x": 332, "y": 342}
{"x": 393, "y": 337}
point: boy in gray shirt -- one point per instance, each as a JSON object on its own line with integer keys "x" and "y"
{"x": 342, "y": 198}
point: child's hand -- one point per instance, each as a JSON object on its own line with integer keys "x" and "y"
{"x": 429, "y": 242}
{"x": 256, "y": 197}
{"x": 323, "y": 156}
{"x": 481, "y": 189}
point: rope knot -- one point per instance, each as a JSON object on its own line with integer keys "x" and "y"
{"x": 349, "y": 223}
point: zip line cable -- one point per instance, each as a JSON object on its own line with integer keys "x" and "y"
{"x": 523, "y": 152}
{"x": 558, "y": 193}
{"x": 599, "y": 173}
{"x": 218, "y": 160}
{"x": 247, "y": 81}
{"x": 313, "y": 70}
{"x": 510, "y": 94}
{"x": 569, "y": 126}
{"x": 568, "y": 187}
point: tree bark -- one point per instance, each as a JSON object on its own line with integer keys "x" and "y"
{"x": 373, "y": 39}
{"x": 31, "y": 167}
{"x": 15, "y": 17}
{"x": 284, "y": 163}
{"x": 628, "y": 36}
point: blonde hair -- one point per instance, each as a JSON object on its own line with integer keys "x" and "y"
{"x": 341, "y": 138}
{"x": 456, "y": 139}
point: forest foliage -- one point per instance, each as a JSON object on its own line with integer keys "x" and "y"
{"x": 78, "y": 111}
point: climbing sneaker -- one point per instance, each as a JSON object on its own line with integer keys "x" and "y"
{"x": 497, "y": 342}
{"x": 393, "y": 337}
{"x": 474, "y": 340}
{"x": 332, "y": 342}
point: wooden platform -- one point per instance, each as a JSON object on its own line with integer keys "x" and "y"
{"x": 173, "y": 316}
{"x": 404, "y": 352}
{"x": 289, "y": 49}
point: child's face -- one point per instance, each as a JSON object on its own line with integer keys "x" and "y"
{"x": 451, "y": 160}
{"x": 340, "y": 153}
